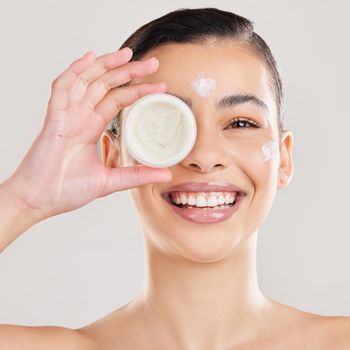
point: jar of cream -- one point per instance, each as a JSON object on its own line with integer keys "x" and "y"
{"x": 160, "y": 130}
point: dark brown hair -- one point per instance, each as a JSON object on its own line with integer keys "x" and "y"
{"x": 198, "y": 26}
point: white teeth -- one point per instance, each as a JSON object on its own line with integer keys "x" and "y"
{"x": 212, "y": 201}
{"x": 221, "y": 199}
{"x": 183, "y": 199}
{"x": 201, "y": 201}
{"x": 229, "y": 198}
{"x": 191, "y": 200}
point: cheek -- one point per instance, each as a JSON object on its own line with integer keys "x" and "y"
{"x": 256, "y": 154}
{"x": 151, "y": 211}
{"x": 256, "y": 159}
{"x": 141, "y": 201}
{"x": 269, "y": 150}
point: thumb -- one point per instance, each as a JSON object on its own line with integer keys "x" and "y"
{"x": 124, "y": 178}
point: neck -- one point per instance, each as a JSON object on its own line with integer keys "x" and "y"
{"x": 198, "y": 303}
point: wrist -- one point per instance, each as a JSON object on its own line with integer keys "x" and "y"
{"x": 16, "y": 216}
{"x": 11, "y": 193}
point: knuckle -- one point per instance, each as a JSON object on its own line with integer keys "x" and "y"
{"x": 84, "y": 80}
{"x": 119, "y": 105}
{"x": 135, "y": 70}
{"x": 139, "y": 92}
{"x": 105, "y": 85}
{"x": 88, "y": 104}
{"x": 105, "y": 62}
{"x": 137, "y": 174}
{"x": 132, "y": 74}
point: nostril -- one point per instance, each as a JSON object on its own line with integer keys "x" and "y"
{"x": 205, "y": 168}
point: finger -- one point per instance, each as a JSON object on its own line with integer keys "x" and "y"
{"x": 137, "y": 69}
{"x": 124, "y": 178}
{"x": 58, "y": 100}
{"x": 119, "y": 98}
{"x": 102, "y": 64}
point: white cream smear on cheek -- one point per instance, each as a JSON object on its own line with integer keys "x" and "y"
{"x": 202, "y": 85}
{"x": 269, "y": 150}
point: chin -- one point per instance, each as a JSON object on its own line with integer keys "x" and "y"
{"x": 200, "y": 246}
{"x": 178, "y": 238}
{"x": 206, "y": 256}
{"x": 213, "y": 252}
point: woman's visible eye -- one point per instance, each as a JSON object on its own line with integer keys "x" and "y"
{"x": 239, "y": 123}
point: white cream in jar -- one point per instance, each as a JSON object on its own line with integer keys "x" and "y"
{"x": 160, "y": 130}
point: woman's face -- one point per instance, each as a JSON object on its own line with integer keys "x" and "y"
{"x": 242, "y": 156}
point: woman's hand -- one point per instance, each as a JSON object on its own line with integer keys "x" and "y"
{"x": 61, "y": 170}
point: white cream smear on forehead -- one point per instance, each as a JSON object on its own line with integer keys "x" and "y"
{"x": 269, "y": 150}
{"x": 202, "y": 85}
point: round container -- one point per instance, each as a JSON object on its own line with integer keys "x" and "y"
{"x": 160, "y": 130}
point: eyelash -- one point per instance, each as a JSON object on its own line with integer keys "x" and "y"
{"x": 246, "y": 120}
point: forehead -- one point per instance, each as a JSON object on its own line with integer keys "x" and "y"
{"x": 234, "y": 67}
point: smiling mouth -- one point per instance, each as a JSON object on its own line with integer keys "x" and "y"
{"x": 171, "y": 200}
{"x": 204, "y": 210}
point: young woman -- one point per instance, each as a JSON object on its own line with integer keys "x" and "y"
{"x": 200, "y": 290}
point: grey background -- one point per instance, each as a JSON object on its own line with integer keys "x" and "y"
{"x": 74, "y": 268}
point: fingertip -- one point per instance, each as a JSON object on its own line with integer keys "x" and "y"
{"x": 155, "y": 62}
{"x": 88, "y": 54}
{"x": 128, "y": 52}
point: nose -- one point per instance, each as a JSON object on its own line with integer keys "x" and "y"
{"x": 208, "y": 153}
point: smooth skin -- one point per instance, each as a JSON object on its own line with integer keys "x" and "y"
{"x": 201, "y": 288}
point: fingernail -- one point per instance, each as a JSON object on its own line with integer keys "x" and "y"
{"x": 127, "y": 49}
{"x": 155, "y": 62}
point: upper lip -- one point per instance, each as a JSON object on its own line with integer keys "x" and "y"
{"x": 212, "y": 186}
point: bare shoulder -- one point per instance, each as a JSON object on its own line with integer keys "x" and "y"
{"x": 333, "y": 331}
{"x": 290, "y": 329}
{"x": 42, "y": 338}
{"x": 322, "y": 331}
{"x": 116, "y": 329}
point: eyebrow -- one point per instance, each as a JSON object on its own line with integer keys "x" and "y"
{"x": 230, "y": 101}
{"x": 237, "y": 99}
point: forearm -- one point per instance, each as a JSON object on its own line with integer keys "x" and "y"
{"x": 15, "y": 216}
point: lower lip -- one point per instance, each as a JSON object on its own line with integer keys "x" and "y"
{"x": 210, "y": 216}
